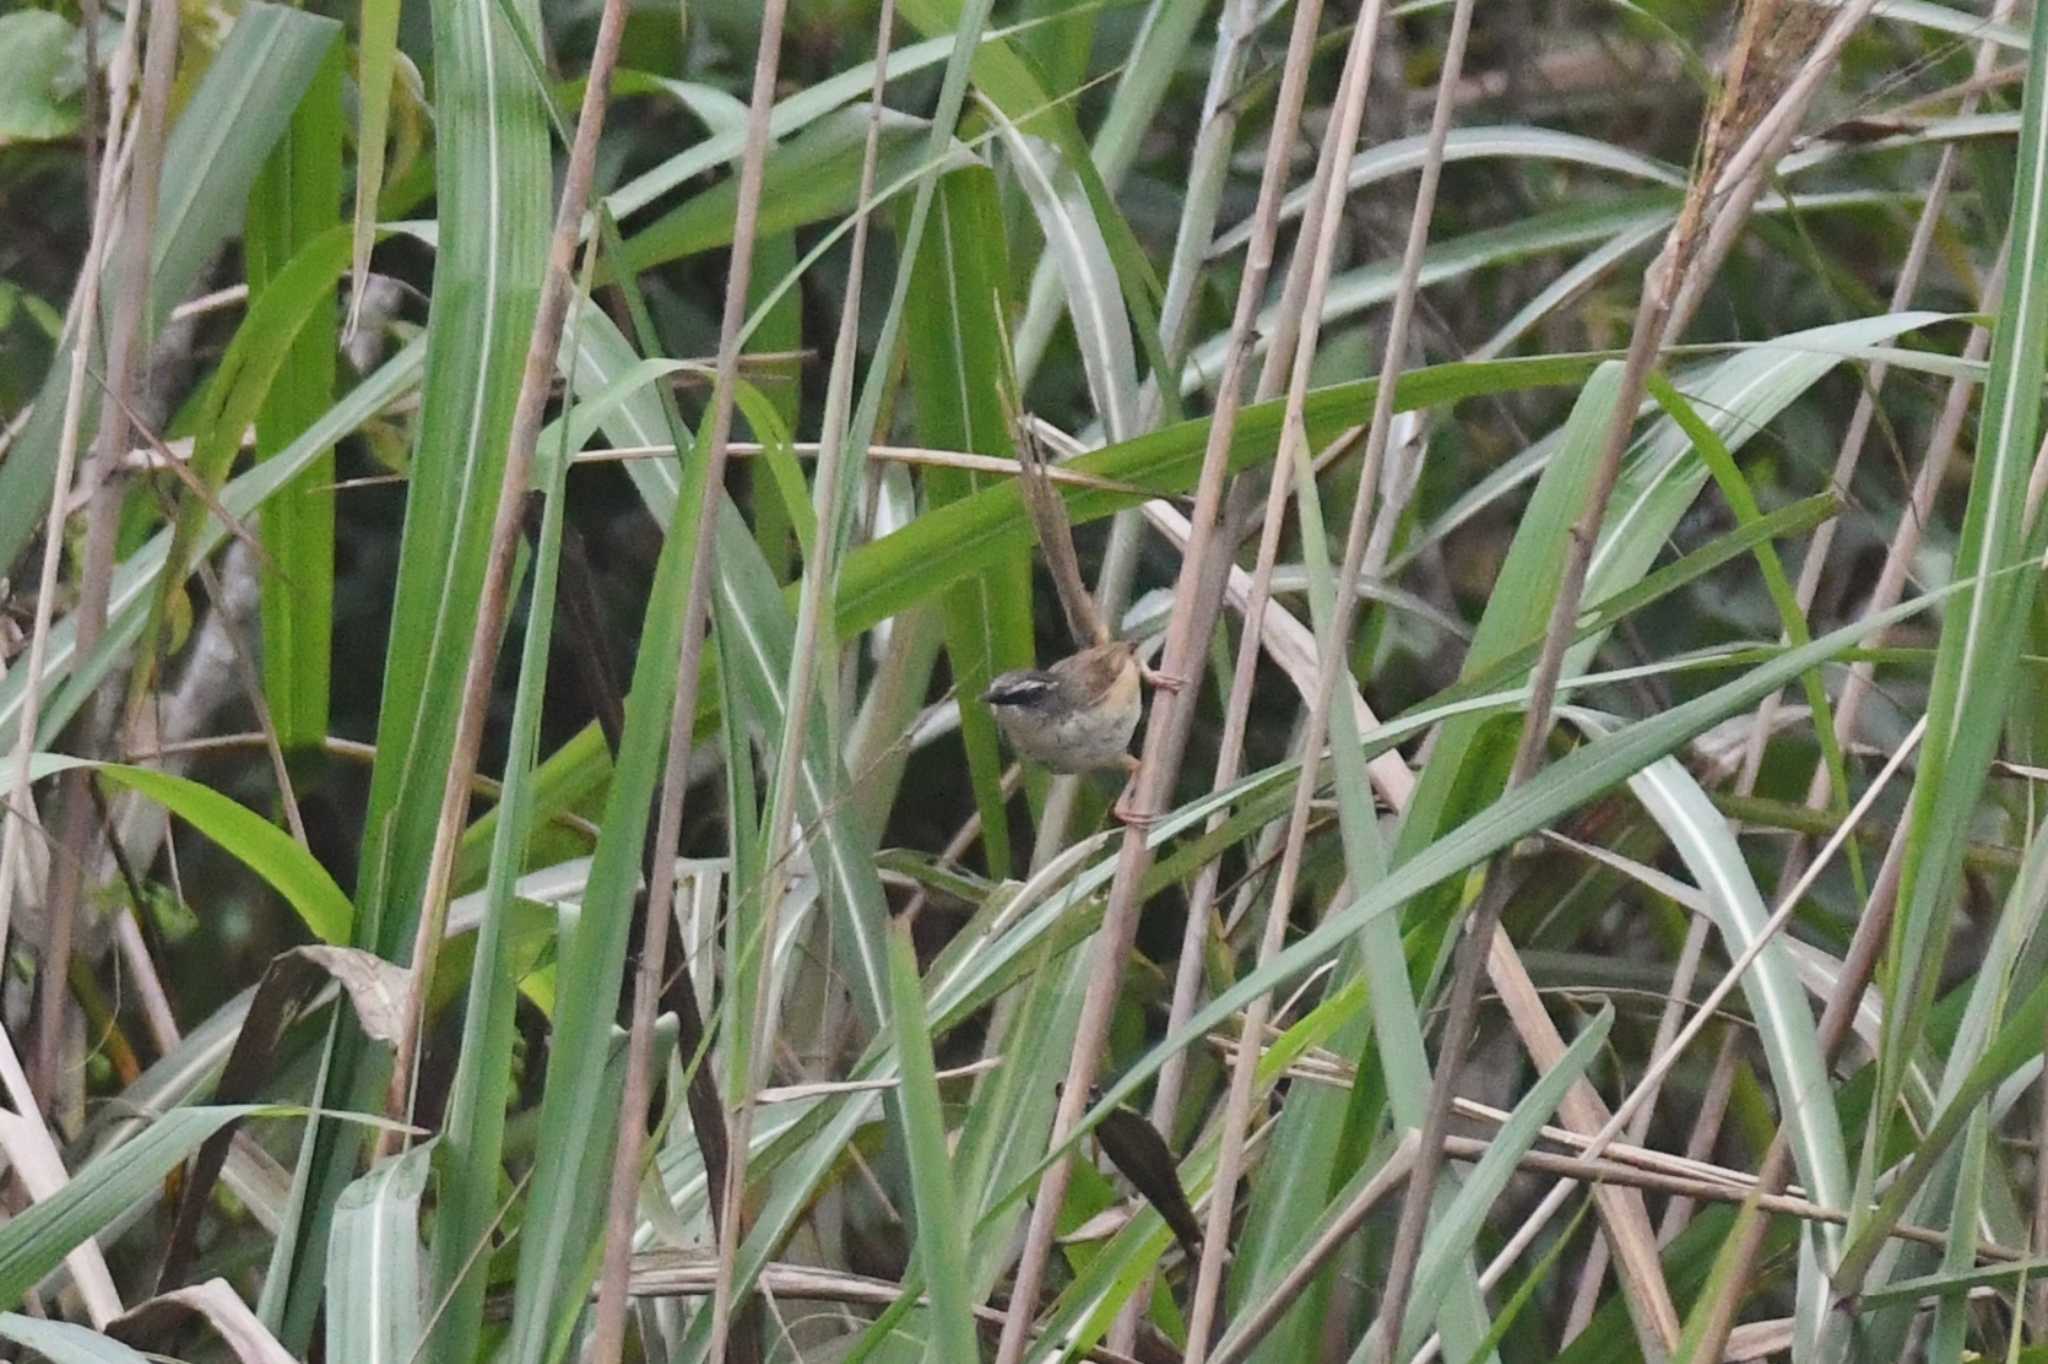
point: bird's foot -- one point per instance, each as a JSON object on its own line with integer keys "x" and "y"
{"x": 1131, "y": 816}
{"x": 1172, "y": 682}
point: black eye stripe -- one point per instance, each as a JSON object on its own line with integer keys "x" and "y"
{"x": 1017, "y": 691}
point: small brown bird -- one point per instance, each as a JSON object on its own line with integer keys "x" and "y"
{"x": 1079, "y": 714}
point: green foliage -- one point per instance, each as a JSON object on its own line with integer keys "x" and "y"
{"x": 891, "y": 975}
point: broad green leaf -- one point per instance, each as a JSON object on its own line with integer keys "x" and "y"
{"x": 375, "y": 1270}
{"x": 296, "y": 199}
{"x": 1976, "y": 673}
{"x": 493, "y": 195}
{"x": 950, "y": 338}
{"x": 473, "y": 1133}
{"x": 34, "y": 1241}
{"x": 40, "y": 77}
{"x": 254, "y": 841}
{"x": 266, "y": 342}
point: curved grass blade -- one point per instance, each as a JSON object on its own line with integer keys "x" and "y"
{"x": 32, "y": 1244}
{"x": 1976, "y": 672}
{"x": 938, "y": 1245}
{"x": 493, "y": 194}
{"x": 254, "y": 841}
{"x": 297, "y": 197}
{"x": 375, "y": 1269}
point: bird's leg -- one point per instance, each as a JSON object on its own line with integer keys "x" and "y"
{"x": 1124, "y": 811}
{"x": 1163, "y": 681}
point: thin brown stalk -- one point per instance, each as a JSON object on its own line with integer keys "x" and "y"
{"x": 689, "y": 1274}
{"x": 1237, "y": 708}
{"x": 1333, "y": 644}
{"x": 494, "y": 597}
{"x": 1273, "y": 1303}
{"x": 1197, "y": 589}
{"x": 1663, "y": 1061}
{"x": 126, "y": 347}
{"x": 1761, "y": 107}
{"x": 713, "y": 451}
{"x": 1859, "y": 966}
{"x": 1850, "y": 454}
{"x": 83, "y": 317}
{"x": 1581, "y": 1170}
{"x": 819, "y": 574}
{"x": 913, "y": 455}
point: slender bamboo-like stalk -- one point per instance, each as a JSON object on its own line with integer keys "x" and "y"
{"x": 494, "y": 599}
{"x": 819, "y": 576}
{"x": 1334, "y": 656}
{"x": 1672, "y": 289}
{"x": 126, "y": 348}
{"x": 1187, "y": 634}
{"x": 84, "y": 317}
{"x": 712, "y": 449}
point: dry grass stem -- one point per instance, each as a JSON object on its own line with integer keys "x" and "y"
{"x": 494, "y": 599}
{"x": 1187, "y": 634}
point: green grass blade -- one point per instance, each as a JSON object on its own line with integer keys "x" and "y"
{"x": 296, "y": 199}
{"x": 1453, "y": 1232}
{"x": 939, "y": 1246}
{"x": 375, "y": 1269}
{"x": 299, "y": 295}
{"x": 951, "y": 340}
{"x": 32, "y": 1244}
{"x": 1975, "y": 674}
{"x": 593, "y": 965}
{"x": 377, "y": 60}
{"x": 258, "y": 844}
{"x": 493, "y": 201}
{"x": 1735, "y": 489}
{"x": 473, "y": 1133}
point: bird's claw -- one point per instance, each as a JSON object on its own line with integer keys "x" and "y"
{"x": 1130, "y": 816}
{"x": 1172, "y": 682}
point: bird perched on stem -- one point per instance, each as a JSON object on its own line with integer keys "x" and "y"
{"x": 1079, "y": 714}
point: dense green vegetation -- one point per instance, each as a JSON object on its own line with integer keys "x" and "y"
{"x": 510, "y": 511}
